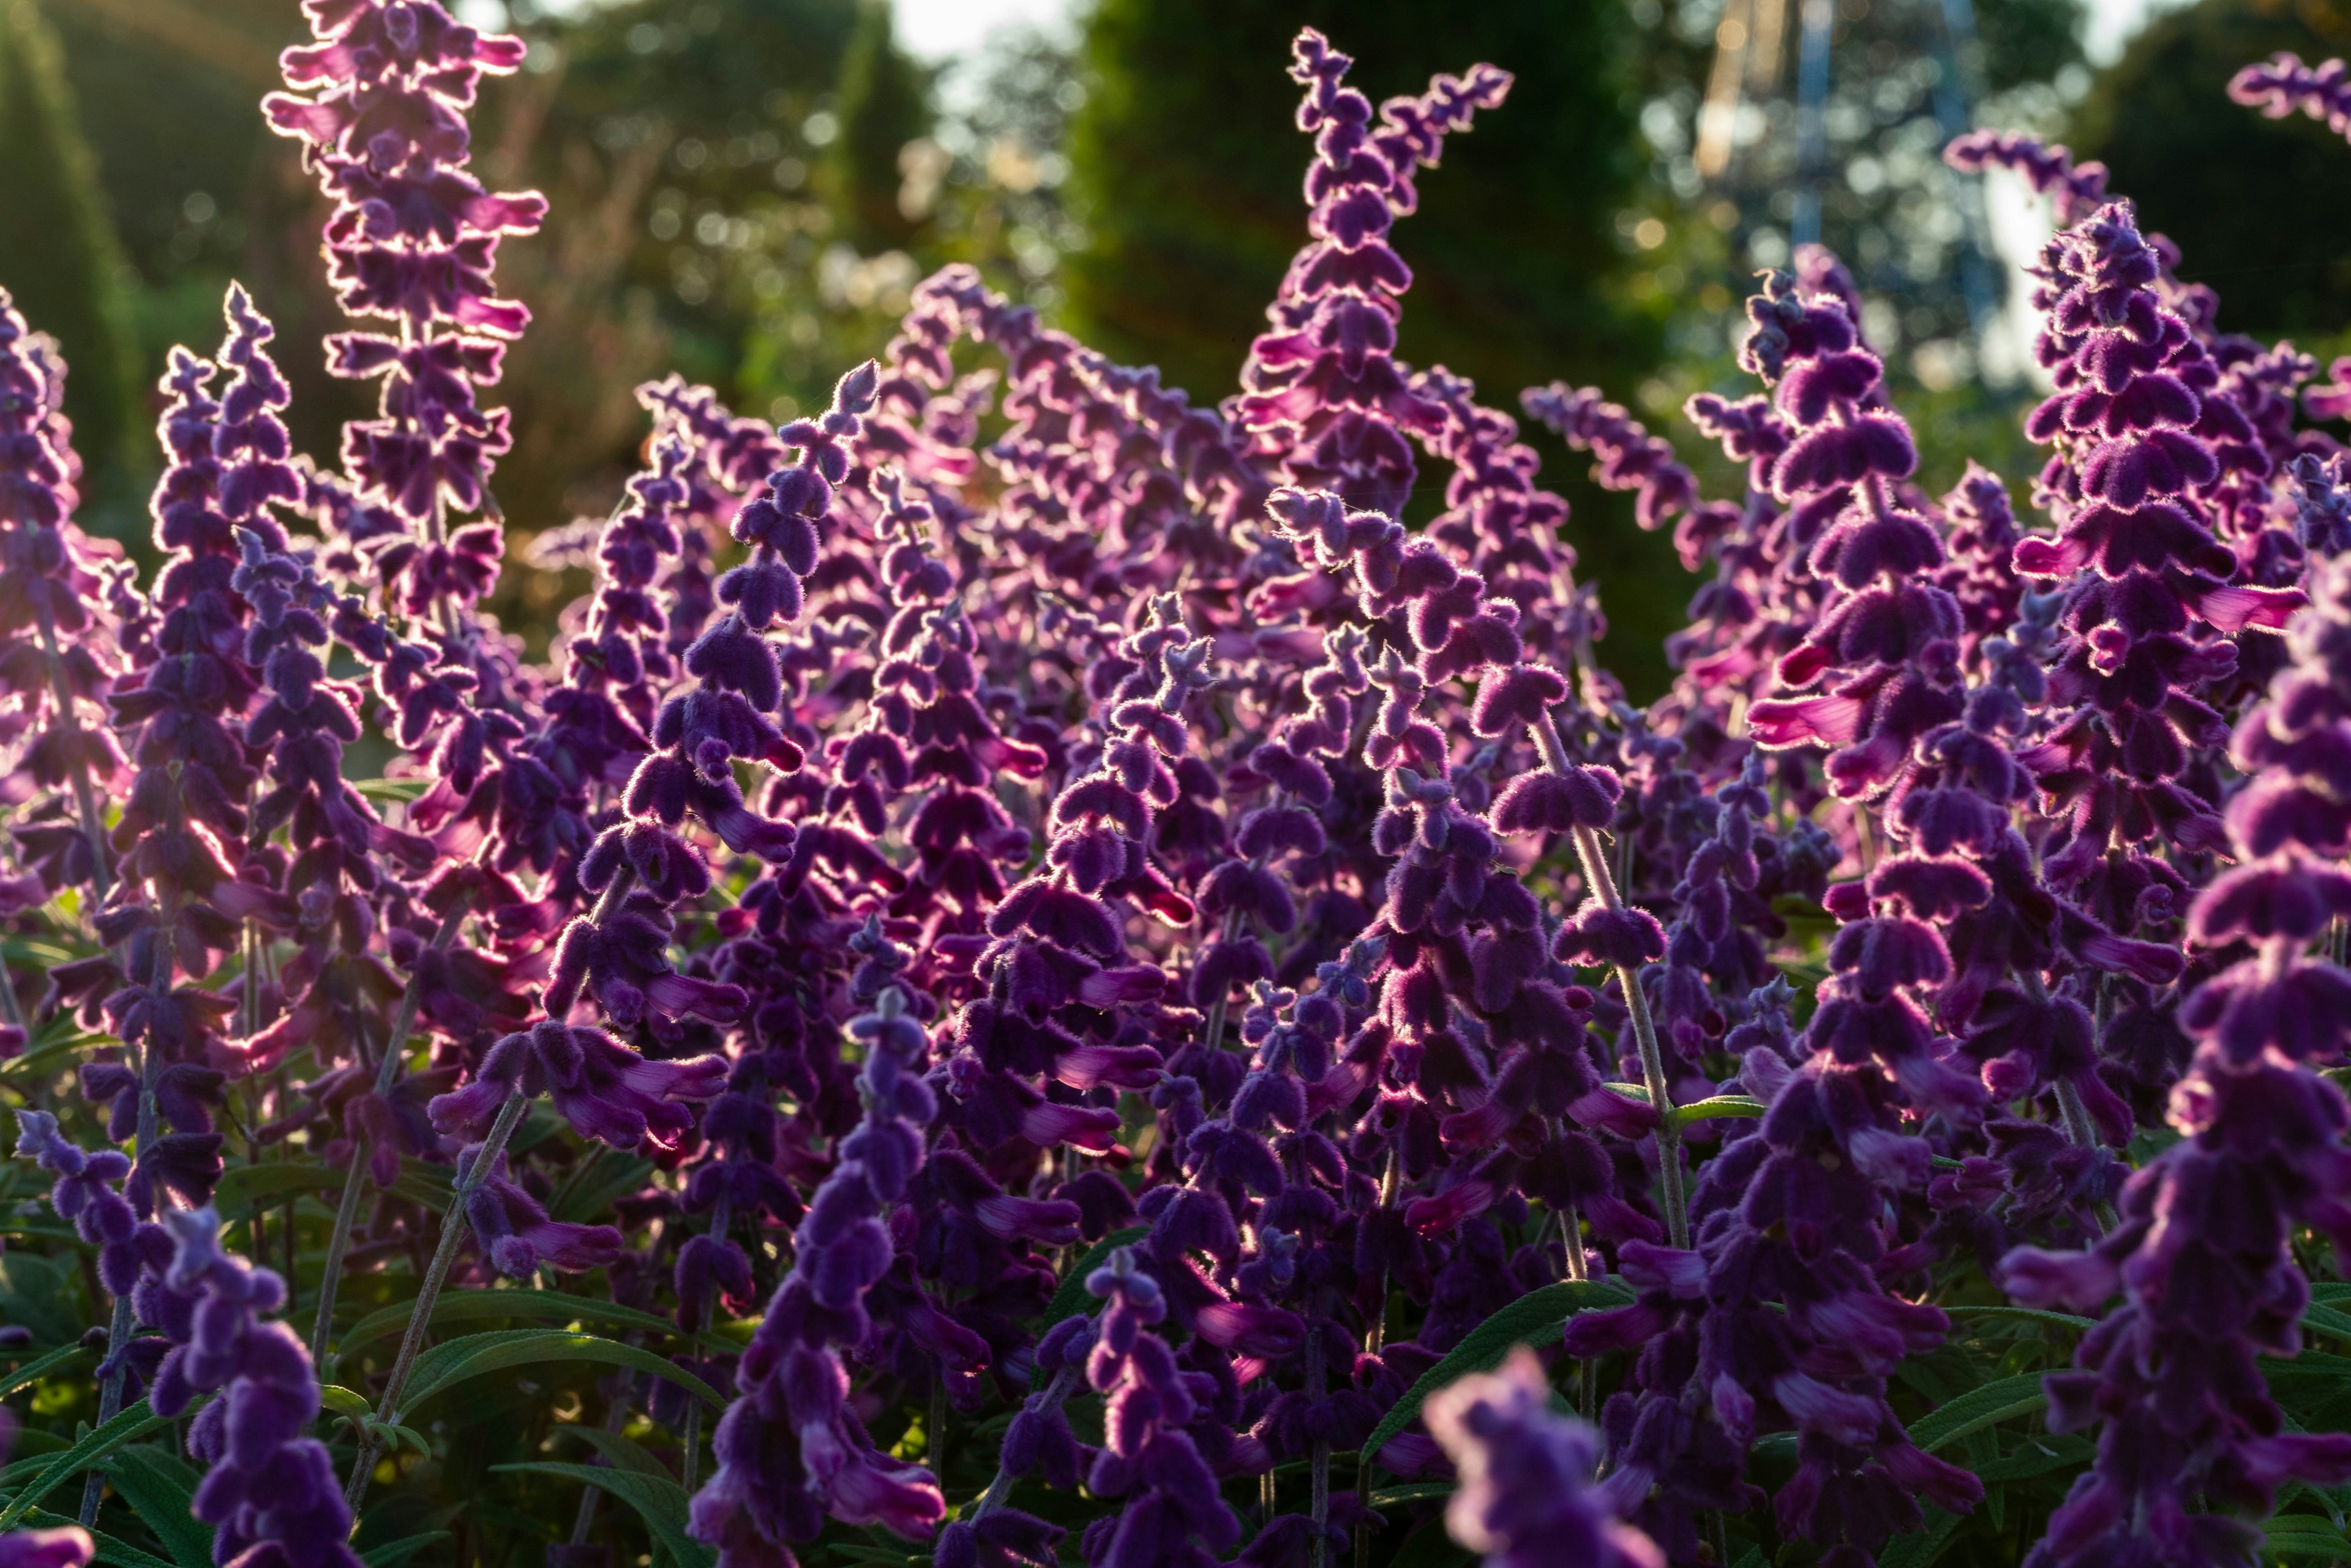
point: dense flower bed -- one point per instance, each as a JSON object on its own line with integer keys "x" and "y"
{"x": 1041, "y": 978}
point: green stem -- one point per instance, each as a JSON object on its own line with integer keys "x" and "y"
{"x": 150, "y": 1069}
{"x": 1594, "y": 856}
{"x": 387, "y": 1072}
{"x": 453, "y": 1233}
{"x": 722, "y": 1220}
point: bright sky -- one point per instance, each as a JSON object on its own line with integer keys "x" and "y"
{"x": 937, "y": 29}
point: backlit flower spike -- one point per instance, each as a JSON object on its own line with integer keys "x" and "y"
{"x": 2283, "y": 84}
{"x": 790, "y": 1450}
{"x": 269, "y": 1490}
{"x": 1172, "y": 1510}
{"x": 605, "y": 1089}
{"x": 380, "y": 102}
{"x": 2076, "y": 190}
{"x": 333, "y": 833}
{"x": 2149, "y": 606}
{"x": 639, "y": 868}
{"x": 2191, "y": 1447}
{"x": 54, "y": 633}
{"x": 1527, "y": 1495}
{"x": 1322, "y": 392}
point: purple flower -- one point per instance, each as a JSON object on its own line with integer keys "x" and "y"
{"x": 605, "y": 1090}
{"x": 270, "y": 1491}
{"x": 1527, "y": 1495}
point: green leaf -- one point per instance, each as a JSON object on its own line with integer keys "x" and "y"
{"x": 50, "y": 1056}
{"x": 660, "y": 1502}
{"x": 444, "y": 1366}
{"x": 2329, "y": 1320}
{"x": 1719, "y": 1105}
{"x": 128, "y": 1426}
{"x": 121, "y": 1554}
{"x": 875, "y": 1556}
{"x": 42, "y": 1366}
{"x": 1389, "y": 1496}
{"x": 163, "y": 1502}
{"x": 391, "y": 1554}
{"x": 1978, "y": 1408}
{"x": 2305, "y": 1535}
{"x": 35, "y": 1294}
{"x": 427, "y": 1186}
{"x": 392, "y": 789}
{"x": 345, "y": 1401}
{"x": 614, "y": 1177}
{"x": 2036, "y": 1455}
{"x": 1919, "y": 1550}
{"x": 1071, "y": 1298}
{"x": 622, "y": 1453}
{"x": 249, "y": 1187}
{"x": 2025, "y": 1314}
{"x": 1537, "y": 1318}
{"x": 501, "y": 1303}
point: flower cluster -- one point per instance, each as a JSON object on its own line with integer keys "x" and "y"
{"x": 1137, "y": 963}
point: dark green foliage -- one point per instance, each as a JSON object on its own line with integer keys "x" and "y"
{"x": 885, "y": 104}
{"x": 2027, "y": 40}
{"x": 1188, "y": 160}
{"x": 2254, "y": 205}
{"x": 1186, "y": 164}
{"x": 58, "y": 254}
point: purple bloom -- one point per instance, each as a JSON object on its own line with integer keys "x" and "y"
{"x": 270, "y": 1491}
{"x": 1527, "y": 1494}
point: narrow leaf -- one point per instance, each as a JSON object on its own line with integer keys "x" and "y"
{"x": 1538, "y": 1318}
{"x": 128, "y": 1426}
{"x": 1922, "y": 1548}
{"x": 444, "y": 1366}
{"x": 249, "y": 1187}
{"x": 2025, "y": 1314}
{"x": 1978, "y": 1408}
{"x": 2331, "y": 1322}
{"x": 55, "y": 1361}
{"x": 498, "y": 1303}
{"x": 622, "y": 1453}
{"x": 344, "y": 1401}
{"x": 163, "y": 1502}
{"x": 1719, "y": 1105}
{"x": 1389, "y": 1496}
{"x": 120, "y": 1553}
{"x": 659, "y": 1500}
{"x": 391, "y": 1554}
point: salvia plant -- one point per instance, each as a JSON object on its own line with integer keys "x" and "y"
{"x": 1041, "y": 979}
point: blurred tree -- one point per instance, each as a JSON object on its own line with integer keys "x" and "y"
{"x": 884, "y": 111}
{"x": 58, "y": 252}
{"x": 2245, "y": 198}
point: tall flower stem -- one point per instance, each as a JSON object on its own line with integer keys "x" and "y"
{"x": 1375, "y": 1339}
{"x": 1593, "y": 857}
{"x": 721, "y": 1220}
{"x": 453, "y": 1233}
{"x": 1000, "y": 1485}
{"x": 387, "y": 1072}
{"x": 1213, "y": 1030}
{"x": 150, "y": 1069}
